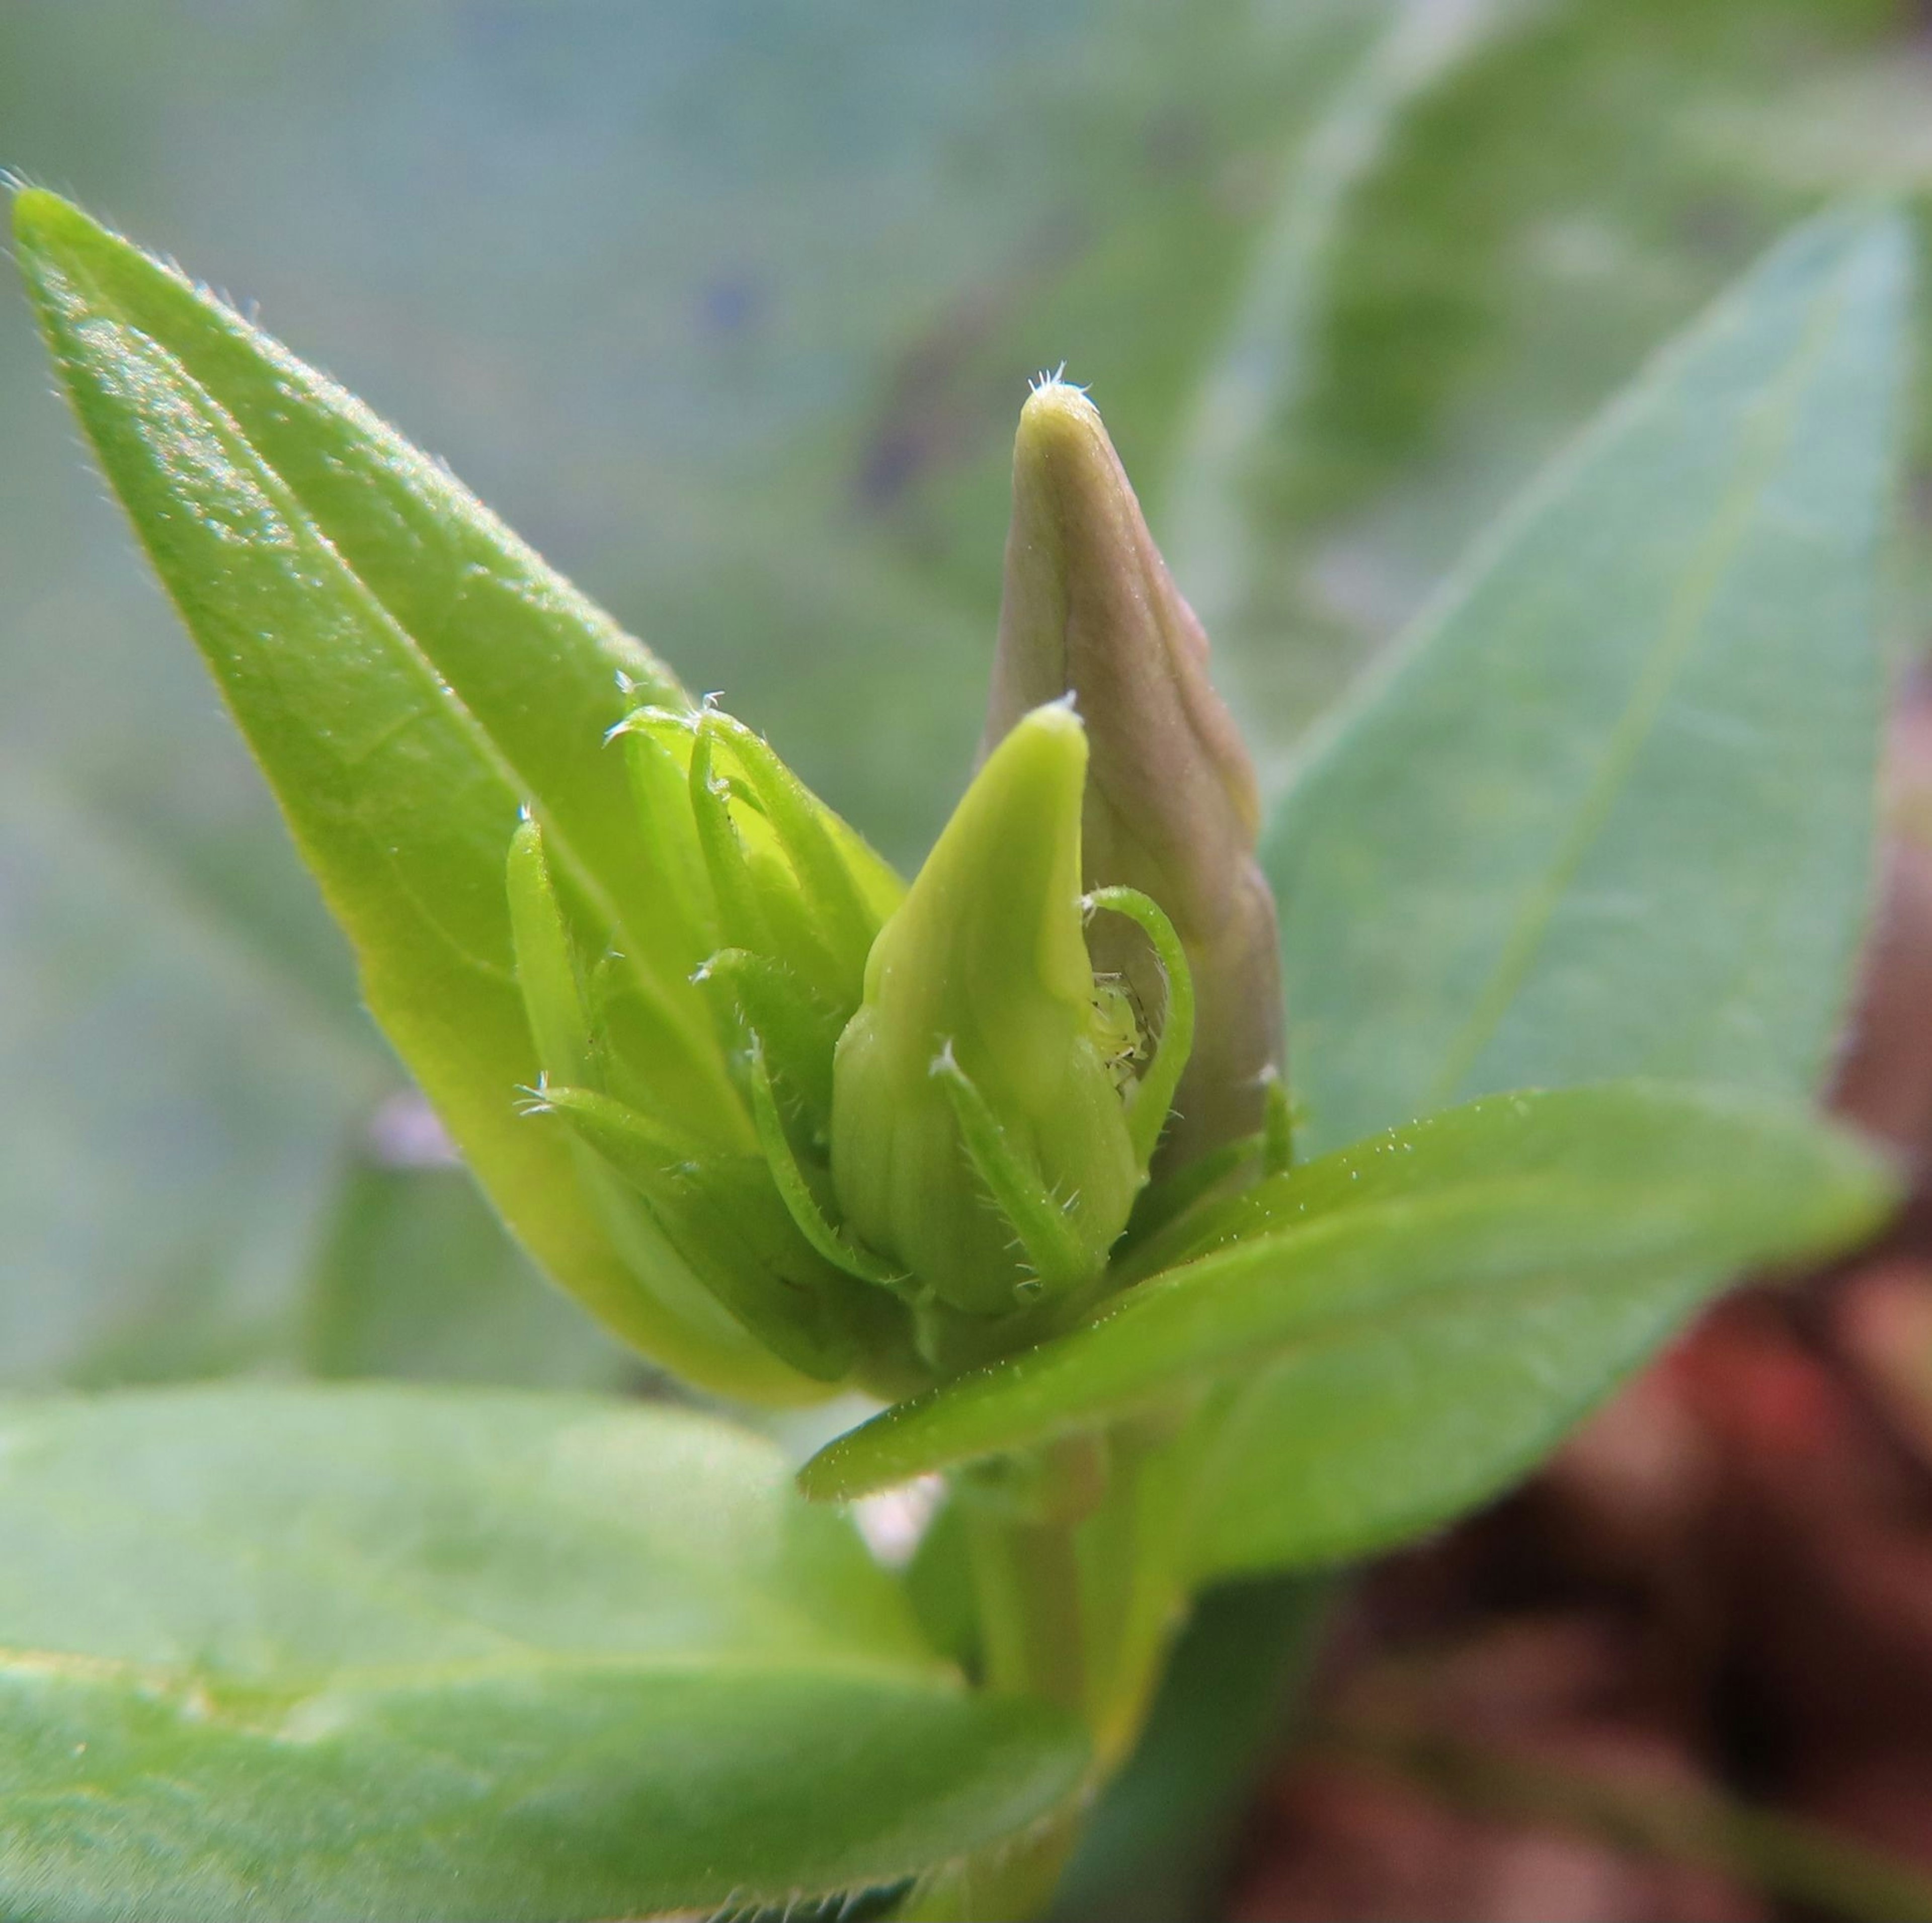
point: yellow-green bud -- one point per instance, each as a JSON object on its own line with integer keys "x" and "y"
{"x": 1172, "y": 808}
{"x": 979, "y": 1137}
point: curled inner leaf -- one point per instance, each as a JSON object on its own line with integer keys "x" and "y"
{"x": 1151, "y": 1098}
{"x": 724, "y": 1213}
{"x": 796, "y": 1191}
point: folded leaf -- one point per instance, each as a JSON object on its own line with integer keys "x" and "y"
{"x": 1612, "y": 812}
{"x": 410, "y": 676}
{"x": 1574, "y": 1215}
{"x": 319, "y": 1653}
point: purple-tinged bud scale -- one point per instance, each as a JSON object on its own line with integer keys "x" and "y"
{"x": 1089, "y": 609}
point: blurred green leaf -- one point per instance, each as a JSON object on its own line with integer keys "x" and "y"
{"x": 1612, "y": 809}
{"x": 1533, "y": 1227}
{"x": 1522, "y": 229}
{"x": 1590, "y": 171}
{"x": 1612, "y": 812}
{"x": 414, "y": 1276}
{"x": 306, "y": 1653}
{"x": 136, "y": 1017}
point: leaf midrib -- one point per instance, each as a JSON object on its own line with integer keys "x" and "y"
{"x": 283, "y": 1690}
{"x": 482, "y": 741}
{"x": 1676, "y": 638}
{"x": 1534, "y": 1190}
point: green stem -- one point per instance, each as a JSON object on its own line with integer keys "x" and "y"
{"x": 1155, "y": 1847}
{"x": 1074, "y": 1556}
{"x": 1026, "y": 1577}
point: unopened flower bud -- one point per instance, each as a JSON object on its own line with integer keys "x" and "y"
{"x": 979, "y": 1136}
{"x": 1171, "y": 807}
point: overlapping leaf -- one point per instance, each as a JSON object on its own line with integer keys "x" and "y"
{"x": 1412, "y": 1259}
{"x": 1611, "y": 810}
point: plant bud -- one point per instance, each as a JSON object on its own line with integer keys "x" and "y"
{"x": 1171, "y": 808}
{"x": 761, "y": 863}
{"x": 979, "y": 1136}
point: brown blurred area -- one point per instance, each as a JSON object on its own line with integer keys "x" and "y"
{"x": 1685, "y": 1675}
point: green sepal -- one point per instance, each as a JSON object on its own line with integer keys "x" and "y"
{"x": 546, "y": 966}
{"x": 656, "y": 1258}
{"x": 799, "y": 1033}
{"x": 647, "y": 1056}
{"x": 1059, "y": 1261}
{"x": 684, "y": 926}
{"x": 845, "y": 922}
{"x": 801, "y": 1197}
{"x": 783, "y": 876}
{"x": 727, "y": 1218}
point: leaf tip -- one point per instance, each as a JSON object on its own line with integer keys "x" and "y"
{"x": 56, "y": 245}
{"x": 824, "y": 1478}
{"x": 1869, "y": 1184}
{"x": 45, "y": 224}
{"x": 1061, "y": 443}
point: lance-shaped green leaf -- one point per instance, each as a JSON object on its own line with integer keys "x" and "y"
{"x": 409, "y": 676}
{"x": 1611, "y": 812}
{"x": 1407, "y": 1261}
{"x": 1089, "y": 608}
{"x": 382, "y": 1652}
{"x": 978, "y": 1136}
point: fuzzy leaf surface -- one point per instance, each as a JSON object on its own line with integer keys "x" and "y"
{"x": 418, "y": 1654}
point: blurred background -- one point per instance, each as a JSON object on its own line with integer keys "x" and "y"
{"x": 729, "y": 306}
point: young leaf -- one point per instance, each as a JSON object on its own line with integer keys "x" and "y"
{"x": 409, "y": 675}
{"x": 314, "y": 1654}
{"x": 1612, "y": 811}
{"x": 1625, "y": 1200}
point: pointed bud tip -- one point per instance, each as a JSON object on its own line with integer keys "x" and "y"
{"x": 60, "y": 250}
{"x": 1036, "y": 775}
{"x": 1052, "y": 399}
{"x": 43, "y": 222}
{"x": 1056, "y": 721}
{"x": 1058, "y": 421}
{"x": 977, "y": 1033}
{"x": 1172, "y": 808}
